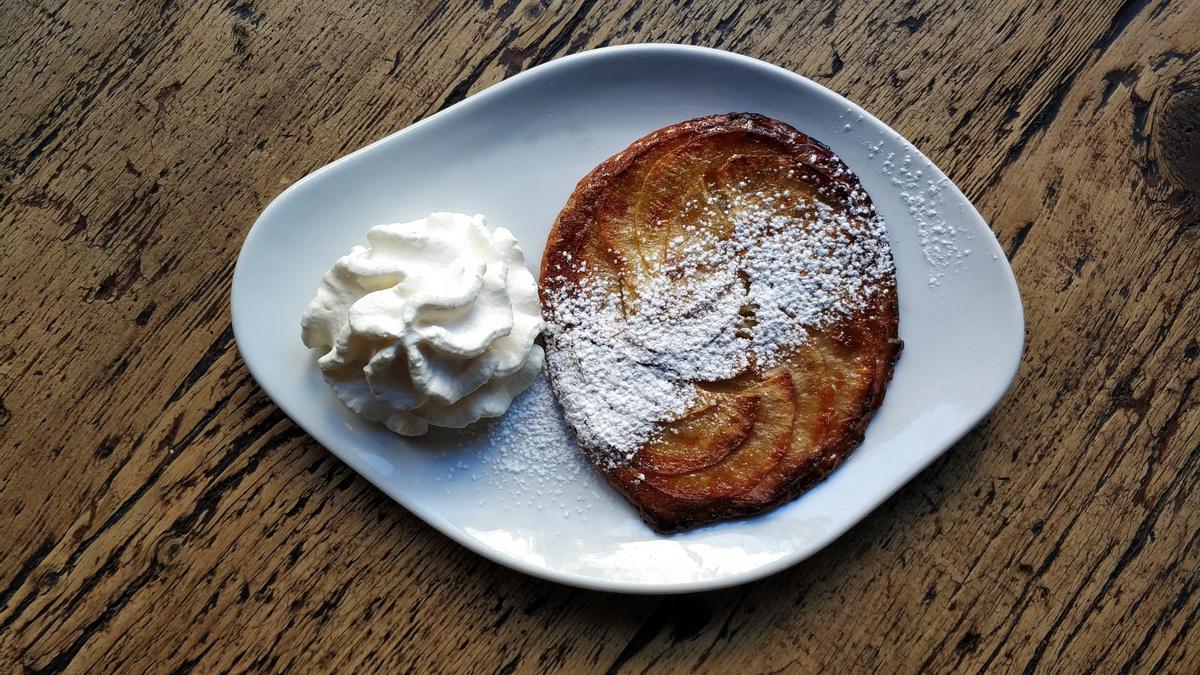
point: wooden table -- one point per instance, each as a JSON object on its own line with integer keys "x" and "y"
{"x": 158, "y": 512}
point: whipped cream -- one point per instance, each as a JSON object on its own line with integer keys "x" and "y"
{"x": 432, "y": 323}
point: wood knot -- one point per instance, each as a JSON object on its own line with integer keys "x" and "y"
{"x": 1176, "y": 132}
{"x": 167, "y": 549}
{"x": 44, "y": 581}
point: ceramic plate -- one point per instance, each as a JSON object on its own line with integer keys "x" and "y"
{"x": 517, "y": 491}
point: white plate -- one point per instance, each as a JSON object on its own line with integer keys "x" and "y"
{"x": 514, "y": 152}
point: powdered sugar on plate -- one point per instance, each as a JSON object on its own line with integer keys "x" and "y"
{"x": 532, "y": 457}
{"x": 529, "y": 455}
{"x": 532, "y": 442}
{"x": 941, "y": 240}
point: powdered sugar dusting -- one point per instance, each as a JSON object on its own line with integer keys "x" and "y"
{"x": 925, "y": 202}
{"x": 534, "y": 458}
{"x": 804, "y": 272}
{"x": 529, "y": 456}
{"x": 737, "y": 288}
{"x": 533, "y": 443}
{"x": 622, "y": 373}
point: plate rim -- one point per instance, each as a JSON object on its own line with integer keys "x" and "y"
{"x": 434, "y": 519}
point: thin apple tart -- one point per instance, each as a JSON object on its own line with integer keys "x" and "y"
{"x": 721, "y": 317}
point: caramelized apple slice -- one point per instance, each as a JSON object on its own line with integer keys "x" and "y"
{"x": 767, "y": 443}
{"x": 616, "y": 236}
{"x": 830, "y": 384}
{"x": 622, "y": 226}
{"x": 775, "y": 184}
{"x": 673, "y": 189}
{"x": 702, "y": 438}
{"x": 676, "y": 195}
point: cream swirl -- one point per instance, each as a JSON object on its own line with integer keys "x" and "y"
{"x": 432, "y": 323}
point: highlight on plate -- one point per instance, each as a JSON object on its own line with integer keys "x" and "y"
{"x": 719, "y": 308}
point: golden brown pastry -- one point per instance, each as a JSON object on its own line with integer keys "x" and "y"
{"x": 721, "y": 317}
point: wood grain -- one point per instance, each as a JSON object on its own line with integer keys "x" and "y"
{"x": 160, "y": 514}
